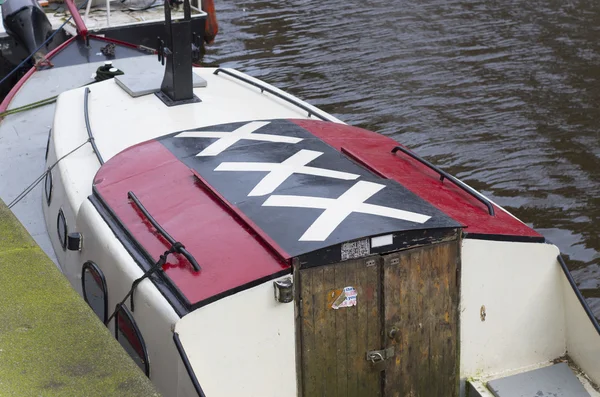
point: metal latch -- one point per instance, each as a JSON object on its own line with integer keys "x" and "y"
{"x": 378, "y": 357}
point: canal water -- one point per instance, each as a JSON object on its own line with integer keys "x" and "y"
{"x": 503, "y": 94}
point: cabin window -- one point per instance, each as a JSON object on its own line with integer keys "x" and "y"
{"x": 61, "y": 229}
{"x": 48, "y": 187}
{"x": 95, "y": 294}
{"x": 129, "y": 336}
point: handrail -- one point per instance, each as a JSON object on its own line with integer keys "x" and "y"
{"x": 79, "y": 24}
{"x": 445, "y": 175}
{"x": 582, "y": 300}
{"x": 273, "y": 92}
{"x": 180, "y": 249}
{"x": 188, "y": 365}
{"x": 86, "y": 115}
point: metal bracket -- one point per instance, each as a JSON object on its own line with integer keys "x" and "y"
{"x": 380, "y": 355}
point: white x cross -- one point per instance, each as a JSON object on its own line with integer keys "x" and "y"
{"x": 280, "y": 172}
{"x": 336, "y": 210}
{"x": 229, "y": 138}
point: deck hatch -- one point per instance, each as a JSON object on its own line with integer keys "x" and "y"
{"x": 298, "y": 190}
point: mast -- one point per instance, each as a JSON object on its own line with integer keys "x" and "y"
{"x": 176, "y": 50}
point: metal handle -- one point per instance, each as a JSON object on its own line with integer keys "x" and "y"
{"x": 445, "y": 175}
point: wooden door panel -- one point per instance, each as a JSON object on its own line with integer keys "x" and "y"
{"x": 334, "y": 342}
{"x": 421, "y": 303}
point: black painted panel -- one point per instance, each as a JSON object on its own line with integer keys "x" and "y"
{"x": 287, "y": 225}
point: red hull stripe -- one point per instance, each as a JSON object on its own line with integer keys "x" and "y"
{"x": 227, "y": 251}
{"x": 374, "y": 151}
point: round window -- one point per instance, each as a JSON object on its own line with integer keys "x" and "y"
{"x": 48, "y": 187}
{"x": 61, "y": 228}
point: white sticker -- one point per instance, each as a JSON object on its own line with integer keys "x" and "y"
{"x": 346, "y": 299}
{"x": 380, "y": 241}
{"x": 355, "y": 249}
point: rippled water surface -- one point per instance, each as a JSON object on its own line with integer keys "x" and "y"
{"x": 503, "y": 94}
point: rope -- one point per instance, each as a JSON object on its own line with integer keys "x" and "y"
{"x": 30, "y": 106}
{"x": 101, "y": 75}
{"x": 36, "y": 182}
{"x": 159, "y": 264}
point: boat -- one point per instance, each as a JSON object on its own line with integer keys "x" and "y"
{"x": 237, "y": 240}
{"x": 28, "y": 28}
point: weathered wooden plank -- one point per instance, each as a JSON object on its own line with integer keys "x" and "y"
{"x": 341, "y": 341}
{"x": 392, "y": 321}
{"x": 353, "y": 354}
{"x": 308, "y": 345}
{"x": 329, "y": 334}
{"x": 320, "y": 363}
{"x": 364, "y": 290}
{"x": 374, "y": 339}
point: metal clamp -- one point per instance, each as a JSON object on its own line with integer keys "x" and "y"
{"x": 378, "y": 357}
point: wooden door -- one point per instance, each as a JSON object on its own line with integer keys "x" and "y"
{"x": 403, "y": 305}
{"x": 421, "y": 321}
{"x": 334, "y": 341}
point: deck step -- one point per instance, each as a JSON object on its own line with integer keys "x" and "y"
{"x": 556, "y": 380}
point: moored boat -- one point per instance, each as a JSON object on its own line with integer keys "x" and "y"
{"x": 27, "y": 28}
{"x": 238, "y": 240}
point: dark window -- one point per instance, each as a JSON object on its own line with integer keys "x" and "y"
{"x": 48, "y": 187}
{"x": 129, "y": 336}
{"x": 93, "y": 284}
{"x": 61, "y": 228}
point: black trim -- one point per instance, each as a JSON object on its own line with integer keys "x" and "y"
{"x": 125, "y": 310}
{"x": 401, "y": 241}
{"x": 86, "y": 115}
{"x": 275, "y": 93}
{"x": 48, "y": 144}
{"x": 63, "y": 240}
{"x": 164, "y": 284}
{"x": 504, "y": 237}
{"x": 582, "y": 300}
{"x": 181, "y": 250}
{"x": 93, "y": 267}
{"x": 188, "y": 366}
{"x": 48, "y": 191}
{"x": 445, "y": 175}
{"x": 141, "y": 257}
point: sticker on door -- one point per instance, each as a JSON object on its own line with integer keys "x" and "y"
{"x": 343, "y": 297}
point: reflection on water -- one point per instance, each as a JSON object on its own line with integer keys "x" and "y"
{"x": 504, "y": 94}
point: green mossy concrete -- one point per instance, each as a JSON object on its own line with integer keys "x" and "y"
{"x": 51, "y": 343}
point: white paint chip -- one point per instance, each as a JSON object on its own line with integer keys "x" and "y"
{"x": 380, "y": 241}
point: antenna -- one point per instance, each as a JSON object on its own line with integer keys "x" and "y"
{"x": 177, "y": 84}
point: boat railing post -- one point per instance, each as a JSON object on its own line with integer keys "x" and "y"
{"x": 87, "y": 10}
{"x": 107, "y": 13}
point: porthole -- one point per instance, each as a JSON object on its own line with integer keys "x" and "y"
{"x": 48, "y": 187}
{"x": 48, "y": 143}
{"x": 94, "y": 289}
{"x": 61, "y": 228}
{"x": 129, "y": 336}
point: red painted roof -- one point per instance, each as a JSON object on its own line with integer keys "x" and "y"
{"x": 233, "y": 252}
{"x": 375, "y": 150}
{"x": 173, "y": 196}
